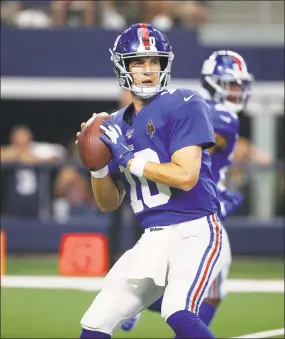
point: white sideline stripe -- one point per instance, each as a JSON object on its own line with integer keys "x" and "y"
{"x": 95, "y": 284}
{"x": 48, "y": 282}
{"x": 264, "y": 334}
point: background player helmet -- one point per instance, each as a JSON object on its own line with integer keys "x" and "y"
{"x": 141, "y": 40}
{"x": 223, "y": 71}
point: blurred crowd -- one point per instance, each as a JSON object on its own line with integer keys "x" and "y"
{"x": 71, "y": 192}
{"x": 117, "y": 15}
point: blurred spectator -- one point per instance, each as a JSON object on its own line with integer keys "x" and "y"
{"x": 87, "y": 13}
{"x": 22, "y": 182}
{"x": 166, "y": 14}
{"x": 117, "y": 15}
{"x": 110, "y": 17}
{"x": 73, "y": 195}
{"x": 161, "y": 13}
{"x": 24, "y": 149}
{"x": 26, "y": 14}
{"x": 245, "y": 153}
{"x": 194, "y": 14}
{"x": 73, "y": 12}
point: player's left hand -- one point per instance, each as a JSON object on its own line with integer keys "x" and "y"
{"x": 229, "y": 201}
{"x": 112, "y": 136}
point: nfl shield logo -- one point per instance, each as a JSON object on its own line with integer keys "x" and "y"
{"x": 129, "y": 133}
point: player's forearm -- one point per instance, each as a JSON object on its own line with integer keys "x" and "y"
{"x": 107, "y": 195}
{"x": 170, "y": 174}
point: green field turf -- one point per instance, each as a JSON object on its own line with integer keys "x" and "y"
{"x": 35, "y": 313}
{"x": 242, "y": 267}
{"x": 44, "y": 313}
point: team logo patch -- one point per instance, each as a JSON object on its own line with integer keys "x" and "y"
{"x": 150, "y": 129}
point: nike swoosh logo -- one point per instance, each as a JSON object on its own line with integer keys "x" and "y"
{"x": 188, "y": 98}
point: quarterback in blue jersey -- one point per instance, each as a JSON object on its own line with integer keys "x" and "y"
{"x": 161, "y": 162}
{"x": 226, "y": 88}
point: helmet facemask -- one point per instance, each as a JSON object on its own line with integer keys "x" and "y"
{"x": 233, "y": 92}
{"x": 125, "y": 77}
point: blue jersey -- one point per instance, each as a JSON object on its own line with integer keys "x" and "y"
{"x": 170, "y": 121}
{"x": 227, "y": 125}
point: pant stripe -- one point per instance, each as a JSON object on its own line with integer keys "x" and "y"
{"x": 205, "y": 268}
{"x": 219, "y": 236}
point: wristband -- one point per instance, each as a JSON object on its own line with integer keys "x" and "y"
{"x": 103, "y": 172}
{"x": 137, "y": 166}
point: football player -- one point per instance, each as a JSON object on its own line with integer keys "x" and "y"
{"x": 226, "y": 86}
{"x": 161, "y": 161}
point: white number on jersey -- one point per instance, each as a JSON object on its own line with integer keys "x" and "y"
{"x": 164, "y": 192}
{"x": 221, "y": 184}
{"x": 26, "y": 182}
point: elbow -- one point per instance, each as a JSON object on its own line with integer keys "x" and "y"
{"x": 188, "y": 183}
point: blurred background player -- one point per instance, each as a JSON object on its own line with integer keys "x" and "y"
{"x": 226, "y": 88}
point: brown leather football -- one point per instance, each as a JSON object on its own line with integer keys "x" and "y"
{"x": 93, "y": 152}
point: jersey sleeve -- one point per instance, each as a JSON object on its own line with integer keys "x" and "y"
{"x": 191, "y": 124}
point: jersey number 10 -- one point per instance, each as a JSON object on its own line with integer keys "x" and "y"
{"x": 164, "y": 192}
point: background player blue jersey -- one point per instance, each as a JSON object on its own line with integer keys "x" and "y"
{"x": 227, "y": 125}
{"x": 170, "y": 121}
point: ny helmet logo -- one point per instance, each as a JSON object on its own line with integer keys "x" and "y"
{"x": 150, "y": 129}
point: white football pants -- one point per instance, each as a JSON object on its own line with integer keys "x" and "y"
{"x": 180, "y": 261}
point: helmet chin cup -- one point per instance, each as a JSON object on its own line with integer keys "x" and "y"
{"x": 145, "y": 92}
{"x": 232, "y": 107}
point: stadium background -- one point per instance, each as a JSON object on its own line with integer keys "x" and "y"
{"x": 53, "y": 77}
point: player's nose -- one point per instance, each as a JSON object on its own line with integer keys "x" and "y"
{"x": 147, "y": 72}
{"x": 147, "y": 69}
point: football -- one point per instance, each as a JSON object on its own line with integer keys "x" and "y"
{"x": 93, "y": 152}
